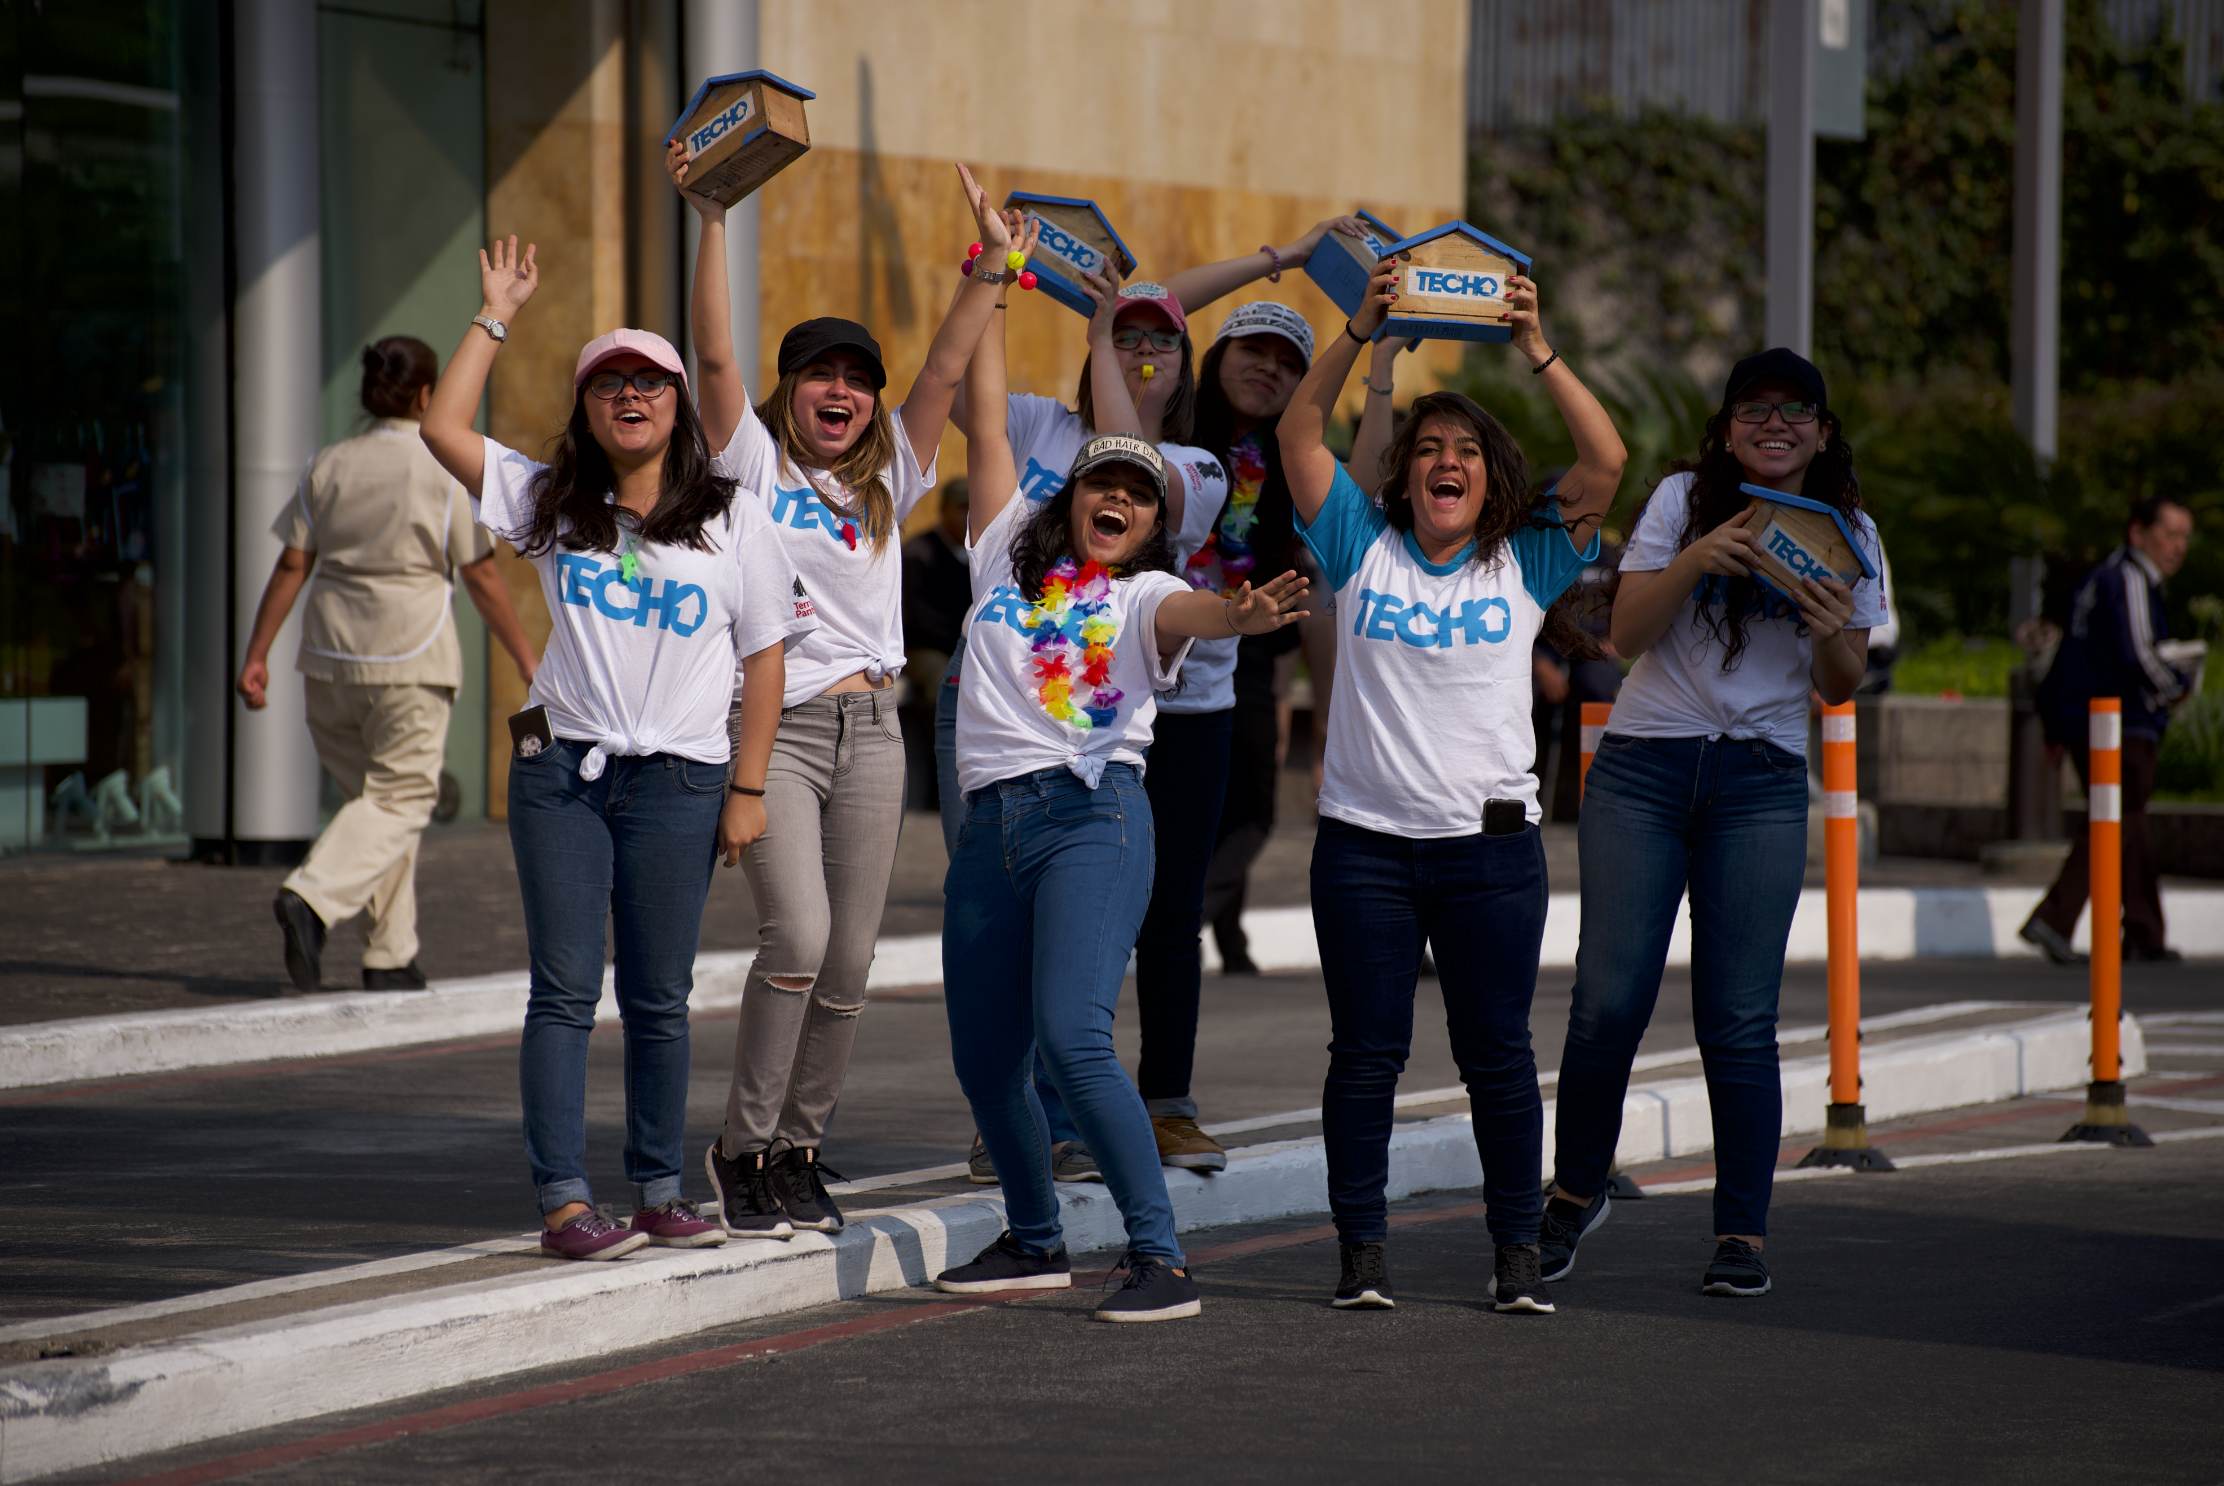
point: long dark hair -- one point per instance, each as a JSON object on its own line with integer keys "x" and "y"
{"x": 571, "y": 498}
{"x": 1726, "y": 605}
{"x": 1048, "y": 536}
{"x": 1274, "y": 537}
{"x": 1174, "y": 425}
{"x": 393, "y": 369}
{"x": 1509, "y": 502}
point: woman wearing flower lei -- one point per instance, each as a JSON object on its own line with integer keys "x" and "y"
{"x": 1078, "y": 618}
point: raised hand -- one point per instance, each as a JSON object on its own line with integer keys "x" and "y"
{"x": 1106, "y": 296}
{"x": 994, "y": 226}
{"x": 1522, "y": 319}
{"x": 1299, "y": 253}
{"x": 506, "y": 281}
{"x": 677, "y": 165}
{"x": 1273, "y": 604}
{"x": 1382, "y": 292}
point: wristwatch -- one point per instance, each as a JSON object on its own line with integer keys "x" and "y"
{"x": 993, "y": 276}
{"x": 495, "y": 328}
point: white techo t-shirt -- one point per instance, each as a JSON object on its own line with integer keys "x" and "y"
{"x": 859, "y": 592}
{"x": 1431, "y": 712}
{"x": 1046, "y": 435}
{"x": 1678, "y": 688}
{"x": 1067, "y": 682}
{"x": 647, "y": 666}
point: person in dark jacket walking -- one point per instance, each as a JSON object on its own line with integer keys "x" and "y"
{"x": 2111, "y": 650}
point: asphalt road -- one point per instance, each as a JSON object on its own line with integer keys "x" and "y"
{"x": 2057, "y": 1319}
{"x": 140, "y": 1189}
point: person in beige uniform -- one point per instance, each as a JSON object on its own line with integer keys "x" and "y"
{"x": 386, "y": 531}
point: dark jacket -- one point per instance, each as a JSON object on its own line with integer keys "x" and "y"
{"x": 2108, "y": 650}
{"x": 937, "y": 590}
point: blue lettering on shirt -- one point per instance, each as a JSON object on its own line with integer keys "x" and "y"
{"x": 585, "y": 583}
{"x": 1040, "y": 482}
{"x": 1007, "y": 606}
{"x": 801, "y": 510}
{"x": 1385, "y": 616}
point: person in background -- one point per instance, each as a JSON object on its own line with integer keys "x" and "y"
{"x": 936, "y": 594}
{"x": 1594, "y": 679}
{"x": 387, "y": 532}
{"x": 2109, "y": 650}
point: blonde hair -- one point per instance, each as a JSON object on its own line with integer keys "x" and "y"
{"x": 863, "y": 470}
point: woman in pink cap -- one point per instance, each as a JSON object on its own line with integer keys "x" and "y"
{"x": 838, "y": 470}
{"x": 623, "y": 782}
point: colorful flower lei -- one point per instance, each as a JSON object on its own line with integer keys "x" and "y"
{"x": 1075, "y": 613}
{"x": 1230, "y": 543}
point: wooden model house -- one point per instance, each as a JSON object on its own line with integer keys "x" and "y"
{"x": 741, "y": 131}
{"x": 1453, "y": 285}
{"x": 1342, "y": 265}
{"x": 1802, "y": 538}
{"x": 1075, "y": 239}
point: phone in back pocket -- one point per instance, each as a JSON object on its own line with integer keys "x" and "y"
{"x": 1504, "y": 817}
{"x": 529, "y": 733}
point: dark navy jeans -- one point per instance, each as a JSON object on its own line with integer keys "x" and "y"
{"x": 1041, "y": 906}
{"x": 1725, "y": 819}
{"x": 1186, "y": 780}
{"x": 635, "y": 845}
{"x": 1480, "y": 902}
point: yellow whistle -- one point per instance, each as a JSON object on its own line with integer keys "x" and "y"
{"x": 1015, "y": 259}
{"x": 1149, "y": 371}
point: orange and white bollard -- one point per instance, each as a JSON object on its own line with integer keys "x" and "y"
{"x": 2106, "y": 1119}
{"x": 1845, "y": 1133}
{"x": 1595, "y": 716}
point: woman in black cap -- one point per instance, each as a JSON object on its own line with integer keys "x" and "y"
{"x": 1700, "y": 786}
{"x": 837, "y": 470}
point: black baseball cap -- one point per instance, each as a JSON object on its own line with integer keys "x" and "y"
{"x": 812, "y": 339}
{"x": 1777, "y": 364}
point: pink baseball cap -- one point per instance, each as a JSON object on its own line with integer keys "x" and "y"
{"x": 644, "y": 343}
{"x": 1146, "y": 295}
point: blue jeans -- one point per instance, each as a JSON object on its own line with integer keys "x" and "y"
{"x": 1480, "y": 901}
{"x": 946, "y": 749}
{"x": 1043, "y": 899}
{"x": 1727, "y": 819}
{"x": 636, "y": 844}
{"x": 1186, "y": 780}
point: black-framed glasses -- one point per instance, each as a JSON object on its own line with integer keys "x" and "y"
{"x": 1132, "y": 337}
{"x": 1757, "y": 412}
{"x": 607, "y": 385}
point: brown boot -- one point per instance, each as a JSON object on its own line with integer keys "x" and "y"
{"x": 1181, "y": 1143}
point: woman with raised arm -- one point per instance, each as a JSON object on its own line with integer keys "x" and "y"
{"x": 838, "y": 470}
{"x": 1700, "y": 787}
{"x": 1428, "y": 834}
{"x": 1078, "y": 621}
{"x": 623, "y": 782}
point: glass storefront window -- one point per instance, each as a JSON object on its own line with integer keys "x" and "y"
{"x": 91, "y": 427}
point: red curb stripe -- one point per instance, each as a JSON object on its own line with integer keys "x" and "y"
{"x": 430, "y": 1420}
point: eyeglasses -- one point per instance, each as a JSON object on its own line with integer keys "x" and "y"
{"x": 607, "y": 385}
{"x": 1131, "y": 338}
{"x": 1757, "y": 412}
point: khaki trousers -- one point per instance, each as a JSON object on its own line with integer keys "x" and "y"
{"x": 383, "y": 745}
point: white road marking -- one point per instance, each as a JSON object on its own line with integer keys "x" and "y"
{"x": 1949, "y": 1158}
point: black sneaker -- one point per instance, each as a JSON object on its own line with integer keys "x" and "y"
{"x": 1153, "y": 1292}
{"x": 799, "y": 1180}
{"x": 1366, "y": 1281}
{"x": 1737, "y": 1270}
{"x": 1518, "y": 1284}
{"x": 1007, "y": 1265}
{"x": 748, "y": 1206}
{"x": 304, "y": 933}
{"x": 2051, "y": 942}
{"x": 400, "y": 978}
{"x": 1070, "y": 1161}
{"x": 1564, "y": 1227}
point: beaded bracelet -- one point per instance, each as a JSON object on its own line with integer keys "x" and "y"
{"x": 1015, "y": 263}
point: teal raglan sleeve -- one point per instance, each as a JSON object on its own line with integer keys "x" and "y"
{"x": 1550, "y": 560}
{"x": 1347, "y": 526}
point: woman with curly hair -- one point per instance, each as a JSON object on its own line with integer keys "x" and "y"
{"x": 1428, "y": 834}
{"x": 1700, "y": 787}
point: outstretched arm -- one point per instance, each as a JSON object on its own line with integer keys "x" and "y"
{"x": 988, "y": 444}
{"x": 1200, "y": 286}
{"x": 928, "y": 406}
{"x": 1248, "y": 611}
{"x": 1378, "y": 419}
{"x": 506, "y": 282}
{"x": 1306, "y": 461}
{"x": 1586, "y": 490}
{"x": 719, "y": 393}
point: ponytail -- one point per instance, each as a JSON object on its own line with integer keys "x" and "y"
{"x": 393, "y": 371}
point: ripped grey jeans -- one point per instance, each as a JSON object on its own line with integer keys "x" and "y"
{"x": 833, "y": 806}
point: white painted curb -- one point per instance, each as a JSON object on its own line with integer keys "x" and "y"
{"x": 1896, "y": 924}
{"x": 70, "y": 1413}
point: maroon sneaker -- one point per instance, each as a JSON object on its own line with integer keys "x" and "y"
{"x": 676, "y": 1225}
{"x": 591, "y": 1236}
